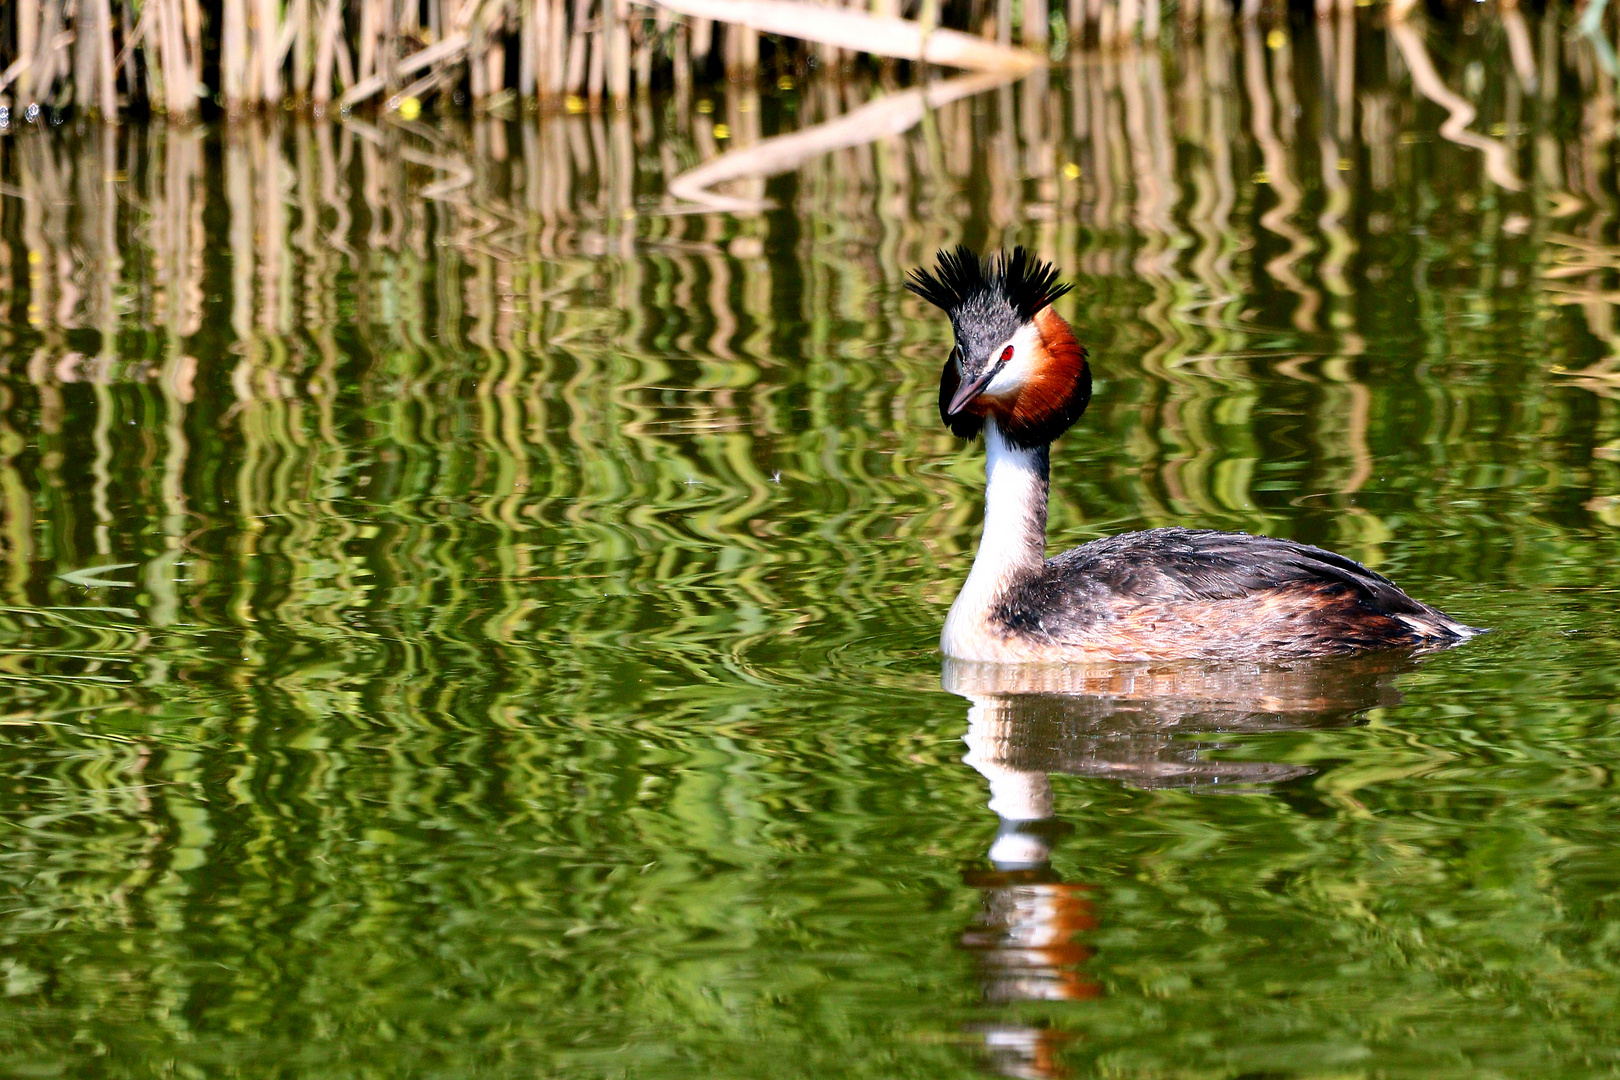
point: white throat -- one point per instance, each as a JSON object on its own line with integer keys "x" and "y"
{"x": 1012, "y": 547}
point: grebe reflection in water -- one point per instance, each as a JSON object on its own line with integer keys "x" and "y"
{"x": 1125, "y": 722}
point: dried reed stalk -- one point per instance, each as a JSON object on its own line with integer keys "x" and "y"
{"x": 857, "y": 30}
{"x": 618, "y": 51}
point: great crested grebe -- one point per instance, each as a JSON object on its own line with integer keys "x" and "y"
{"x": 1018, "y": 375}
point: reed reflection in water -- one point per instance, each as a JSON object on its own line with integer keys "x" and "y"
{"x": 465, "y": 607}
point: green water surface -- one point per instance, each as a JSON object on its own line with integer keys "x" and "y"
{"x": 465, "y": 611}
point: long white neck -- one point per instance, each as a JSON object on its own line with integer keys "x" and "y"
{"x": 1013, "y": 545}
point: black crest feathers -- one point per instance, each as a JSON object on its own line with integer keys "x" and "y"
{"x": 1024, "y": 282}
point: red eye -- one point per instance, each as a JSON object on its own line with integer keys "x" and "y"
{"x": 1006, "y": 354}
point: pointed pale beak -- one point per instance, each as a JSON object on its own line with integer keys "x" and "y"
{"x": 966, "y": 392}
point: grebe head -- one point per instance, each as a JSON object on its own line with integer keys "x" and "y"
{"x": 1015, "y": 358}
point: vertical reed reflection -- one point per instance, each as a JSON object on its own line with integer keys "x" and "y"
{"x": 504, "y": 309}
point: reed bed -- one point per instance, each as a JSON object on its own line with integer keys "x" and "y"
{"x": 182, "y": 58}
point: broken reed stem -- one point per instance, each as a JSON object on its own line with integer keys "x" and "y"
{"x": 107, "y": 57}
